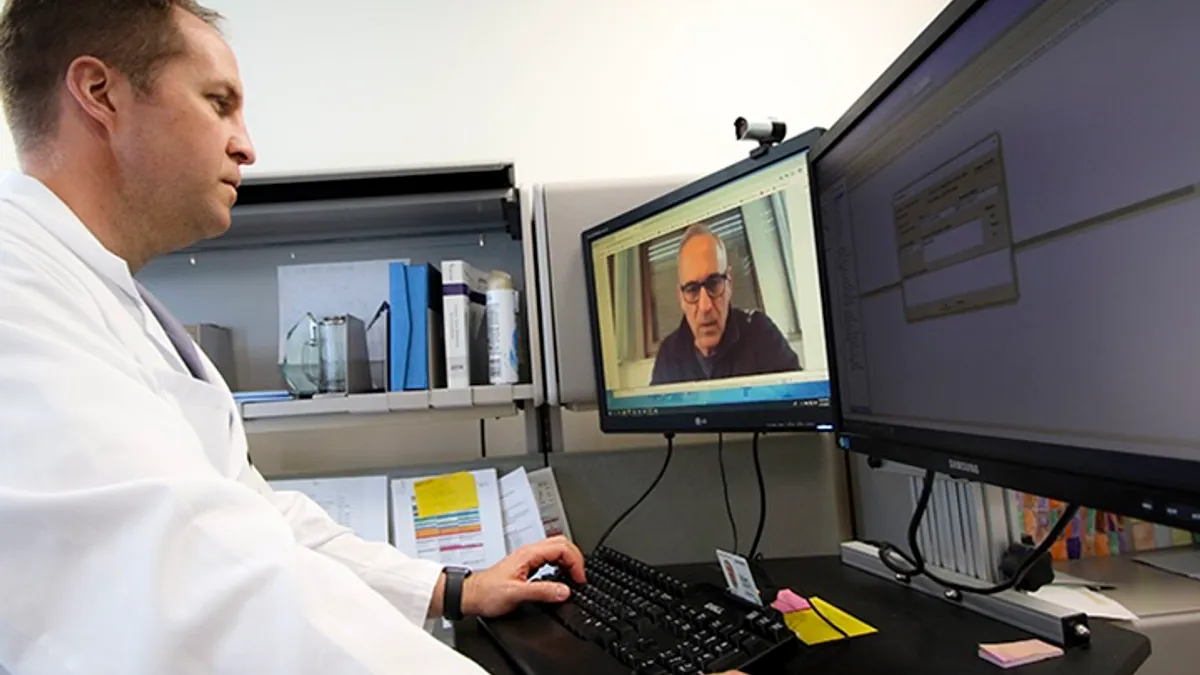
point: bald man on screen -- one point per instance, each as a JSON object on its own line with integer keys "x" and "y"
{"x": 715, "y": 340}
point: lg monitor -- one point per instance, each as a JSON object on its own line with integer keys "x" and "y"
{"x": 1011, "y": 221}
{"x": 705, "y": 305}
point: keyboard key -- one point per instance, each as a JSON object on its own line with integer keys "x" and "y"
{"x": 762, "y": 626}
{"x": 778, "y": 631}
{"x": 648, "y": 667}
{"x": 626, "y": 655}
{"x": 755, "y": 646}
{"x": 623, "y": 629}
{"x": 723, "y": 663}
{"x": 722, "y": 627}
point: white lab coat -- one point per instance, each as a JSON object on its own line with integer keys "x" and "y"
{"x": 134, "y": 536}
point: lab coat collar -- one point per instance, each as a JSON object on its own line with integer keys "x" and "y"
{"x": 49, "y": 210}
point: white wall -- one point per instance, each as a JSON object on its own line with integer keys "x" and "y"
{"x": 568, "y": 89}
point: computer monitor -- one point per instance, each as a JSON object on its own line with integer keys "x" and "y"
{"x": 705, "y": 305}
{"x": 1011, "y": 219}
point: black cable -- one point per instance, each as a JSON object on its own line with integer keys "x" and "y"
{"x": 916, "y": 562}
{"x": 888, "y": 552}
{"x": 631, "y": 509}
{"x": 762, "y": 499}
{"x": 725, "y": 489}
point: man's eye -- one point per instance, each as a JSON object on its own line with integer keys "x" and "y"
{"x": 220, "y": 103}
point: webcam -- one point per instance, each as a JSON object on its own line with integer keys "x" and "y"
{"x": 767, "y": 133}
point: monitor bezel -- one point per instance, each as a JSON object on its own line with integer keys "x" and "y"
{"x": 1126, "y": 483}
{"x": 714, "y": 419}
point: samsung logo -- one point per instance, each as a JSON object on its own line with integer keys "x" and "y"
{"x": 964, "y": 467}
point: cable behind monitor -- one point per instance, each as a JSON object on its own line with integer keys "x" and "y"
{"x": 661, "y": 472}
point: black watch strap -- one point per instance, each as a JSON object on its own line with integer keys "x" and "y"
{"x": 452, "y": 599}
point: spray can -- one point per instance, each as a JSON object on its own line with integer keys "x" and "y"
{"x": 503, "y": 336}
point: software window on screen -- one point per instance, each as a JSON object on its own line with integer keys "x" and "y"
{"x": 1022, "y": 232}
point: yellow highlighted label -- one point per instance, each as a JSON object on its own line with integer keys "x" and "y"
{"x": 446, "y": 494}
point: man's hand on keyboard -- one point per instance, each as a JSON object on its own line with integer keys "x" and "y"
{"x": 503, "y": 587}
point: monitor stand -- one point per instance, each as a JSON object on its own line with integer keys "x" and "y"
{"x": 1043, "y": 619}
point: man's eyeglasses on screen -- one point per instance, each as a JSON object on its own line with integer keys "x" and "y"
{"x": 715, "y": 285}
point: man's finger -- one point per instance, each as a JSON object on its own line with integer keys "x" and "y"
{"x": 558, "y": 551}
{"x": 544, "y": 591}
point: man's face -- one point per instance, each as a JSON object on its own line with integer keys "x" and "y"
{"x": 706, "y": 315}
{"x": 185, "y": 142}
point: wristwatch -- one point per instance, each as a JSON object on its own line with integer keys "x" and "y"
{"x": 452, "y": 598}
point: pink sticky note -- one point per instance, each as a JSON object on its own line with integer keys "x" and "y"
{"x": 1012, "y": 654}
{"x": 787, "y": 601}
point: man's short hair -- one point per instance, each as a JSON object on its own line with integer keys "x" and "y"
{"x": 702, "y": 230}
{"x": 40, "y": 38}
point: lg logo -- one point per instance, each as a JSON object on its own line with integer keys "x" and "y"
{"x": 701, "y": 421}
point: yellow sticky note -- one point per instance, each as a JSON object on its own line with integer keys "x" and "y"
{"x": 446, "y": 494}
{"x": 812, "y": 629}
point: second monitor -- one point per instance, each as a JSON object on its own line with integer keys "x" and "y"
{"x": 706, "y": 308}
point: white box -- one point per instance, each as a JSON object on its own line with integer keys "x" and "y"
{"x": 464, "y": 313}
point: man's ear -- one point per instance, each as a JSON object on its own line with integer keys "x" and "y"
{"x": 93, "y": 86}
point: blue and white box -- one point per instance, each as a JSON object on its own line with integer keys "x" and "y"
{"x": 416, "y": 358}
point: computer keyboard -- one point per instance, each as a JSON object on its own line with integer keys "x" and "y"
{"x": 633, "y": 618}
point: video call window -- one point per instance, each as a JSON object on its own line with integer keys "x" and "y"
{"x": 722, "y": 288}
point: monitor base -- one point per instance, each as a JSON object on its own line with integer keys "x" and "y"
{"x": 1048, "y": 621}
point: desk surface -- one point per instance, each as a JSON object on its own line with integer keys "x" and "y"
{"x": 917, "y": 633}
{"x": 1144, "y": 590}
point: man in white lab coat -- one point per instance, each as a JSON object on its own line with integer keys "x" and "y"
{"x": 134, "y": 536}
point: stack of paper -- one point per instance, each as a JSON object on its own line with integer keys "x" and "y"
{"x": 453, "y": 519}
{"x": 550, "y": 504}
{"x": 786, "y": 601}
{"x": 522, "y": 522}
{"x": 1013, "y": 654}
{"x": 1085, "y": 601}
{"x": 357, "y": 503}
{"x": 473, "y": 519}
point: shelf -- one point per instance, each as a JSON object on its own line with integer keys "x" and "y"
{"x": 327, "y": 208}
{"x": 476, "y": 403}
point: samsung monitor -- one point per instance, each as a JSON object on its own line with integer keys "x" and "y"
{"x": 705, "y": 305}
{"x": 1011, "y": 220}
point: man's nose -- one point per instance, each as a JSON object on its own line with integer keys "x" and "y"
{"x": 705, "y": 302}
{"x": 241, "y": 148}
